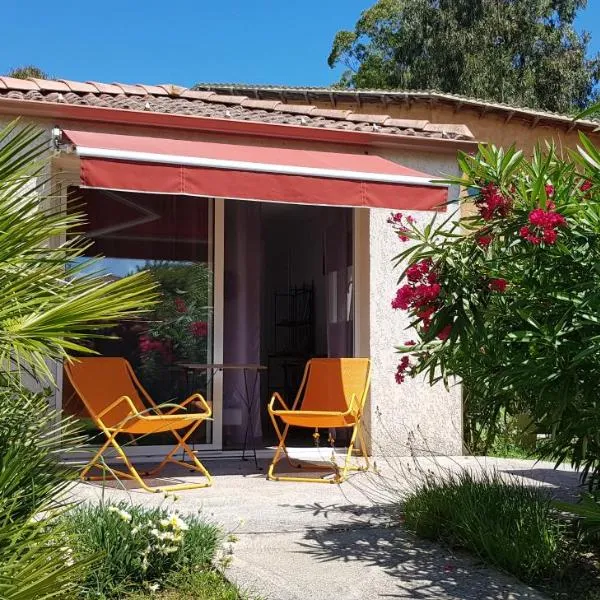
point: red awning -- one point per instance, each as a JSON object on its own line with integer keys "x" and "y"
{"x": 198, "y": 168}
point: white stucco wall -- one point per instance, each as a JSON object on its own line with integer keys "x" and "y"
{"x": 414, "y": 417}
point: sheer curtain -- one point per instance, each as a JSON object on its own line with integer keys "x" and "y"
{"x": 241, "y": 334}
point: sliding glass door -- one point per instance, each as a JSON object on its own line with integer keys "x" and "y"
{"x": 172, "y": 237}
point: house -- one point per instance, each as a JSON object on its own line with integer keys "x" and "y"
{"x": 264, "y": 220}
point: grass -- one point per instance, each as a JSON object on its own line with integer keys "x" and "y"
{"x": 507, "y": 524}
{"x": 137, "y": 550}
{"x": 511, "y": 526}
{"x": 200, "y": 585}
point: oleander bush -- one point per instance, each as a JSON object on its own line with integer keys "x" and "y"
{"x": 506, "y": 298}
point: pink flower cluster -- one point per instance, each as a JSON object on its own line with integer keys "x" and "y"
{"x": 543, "y": 225}
{"x": 396, "y": 220}
{"x": 420, "y": 294}
{"x": 422, "y": 289}
{"x": 498, "y": 285}
{"x": 403, "y": 366}
{"x": 148, "y": 344}
{"x": 199, "y": 328}
{"x": 492, "y": 203}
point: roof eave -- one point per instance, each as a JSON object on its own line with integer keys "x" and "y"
{"x": 74, "y": 112}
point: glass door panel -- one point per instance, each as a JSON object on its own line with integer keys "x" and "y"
{"x": 172, "y": 237}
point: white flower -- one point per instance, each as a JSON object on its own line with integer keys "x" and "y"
{"x": 122, "y": 513}
{"x": 135, "y": 530}
{"x": 174, "y": 521}
{"x": 153, "y": 587}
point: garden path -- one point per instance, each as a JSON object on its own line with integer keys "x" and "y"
{"x": 296, "y": 541}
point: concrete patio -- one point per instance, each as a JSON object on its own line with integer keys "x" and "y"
{"x": 296, "y": 541}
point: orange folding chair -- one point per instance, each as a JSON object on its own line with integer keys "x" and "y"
{"x": 110, "y": 392}
{"x": 332, "y": 394}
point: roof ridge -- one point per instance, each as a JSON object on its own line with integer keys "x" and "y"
{"x": 308, "y": 114}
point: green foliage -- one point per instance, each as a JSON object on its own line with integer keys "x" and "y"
{"x": 178, "y": 329}
{"x": 522, "y": 51}
{"x": 139, "y": 547}
{"x": 195, "y": 585}
{"x": 507, "y": 524}
{"x": 35, "y": 558}
{"x": 587, "y": 512}
{"x": 48, "y": 309}
{"x": 533, "y": 345}
{"x": 27, "y": 71}
{"x": 51, "y": 302}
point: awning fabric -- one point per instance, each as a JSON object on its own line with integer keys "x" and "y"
{"x": 246, "y": 172}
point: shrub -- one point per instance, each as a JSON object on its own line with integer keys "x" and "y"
{"x": 35, "y": 555}
{"x": 139, "y": 548}
{"x": 507, "y": 524}
{"x": 507, "y": 298}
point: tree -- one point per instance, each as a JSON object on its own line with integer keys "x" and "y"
{"x": 28, "y": 71}
{"x": 525, "y": 52}
{"x": 507, "y": 300}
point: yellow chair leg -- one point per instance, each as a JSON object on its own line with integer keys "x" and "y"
{"x": 133, "y": 473}
{"x": 339, "y": 474}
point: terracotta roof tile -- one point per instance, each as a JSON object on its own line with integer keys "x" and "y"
{"x": 300, "y": 109}
{"x": 79, "y": 86}
{"x": 228, "y": 99}
{"x": 134, "y": 90}
{"x": 154, "y": 90}
{"x": 359, "y": 118}
{"x": 332, "y": 113}
{"x": 19, "y": 84}
{"x": 106, "y": 88}
{"x": 49, "y": 85}
{"x": 264, "y": 104}
{"x": 407, "y": 123}
{"x": 195, "y": 95}
{"x": 170, "y": 99}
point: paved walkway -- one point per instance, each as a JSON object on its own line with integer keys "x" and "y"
{"x": 299, "y": 541}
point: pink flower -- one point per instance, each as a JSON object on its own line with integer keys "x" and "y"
{"x": 498, "y": 285}
{"x": 549, "y": 190}
{"x": 410, "y": 343}
{"x": 414, "y": 273}
{"x": 585, "y": 186}
{"x": 403, "y": 366}
{"x": 199, "y": 328}
{"x": 550, "y": 236}
{"x": 444, "y": 334}
{"x": 484, "y": 240}
{"x": 180, "y": 305}
{"x": 410, "y": 219}
{"x": 492, "y": 203}
{"x": 524, "y": 232}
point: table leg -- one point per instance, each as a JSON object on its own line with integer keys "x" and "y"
{"x": 249, "y": 401}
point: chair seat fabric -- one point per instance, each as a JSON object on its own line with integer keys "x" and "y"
{"x": 157, "y": 424}
{"x": 312, "y": 419}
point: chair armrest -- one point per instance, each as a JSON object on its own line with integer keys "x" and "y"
{"x": 277, "y": 396}
{"x": 118, "y": 401}
{"x": 351, "y": 410}
{"x": 198, "y": 397}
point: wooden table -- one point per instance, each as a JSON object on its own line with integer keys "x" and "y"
{"x": 248, "y": 398}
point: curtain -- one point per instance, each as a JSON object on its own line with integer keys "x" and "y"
{"x": 241, "y": 334}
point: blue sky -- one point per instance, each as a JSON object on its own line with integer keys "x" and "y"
{"x": 187, "y": 41}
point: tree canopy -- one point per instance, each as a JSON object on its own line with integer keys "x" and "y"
{"x": 525, "y": 52}
{"x": 26, "y": 72}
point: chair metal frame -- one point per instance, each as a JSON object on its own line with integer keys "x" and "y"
{"x": 180, "y": 421}
{"x": 354, "y": 417}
